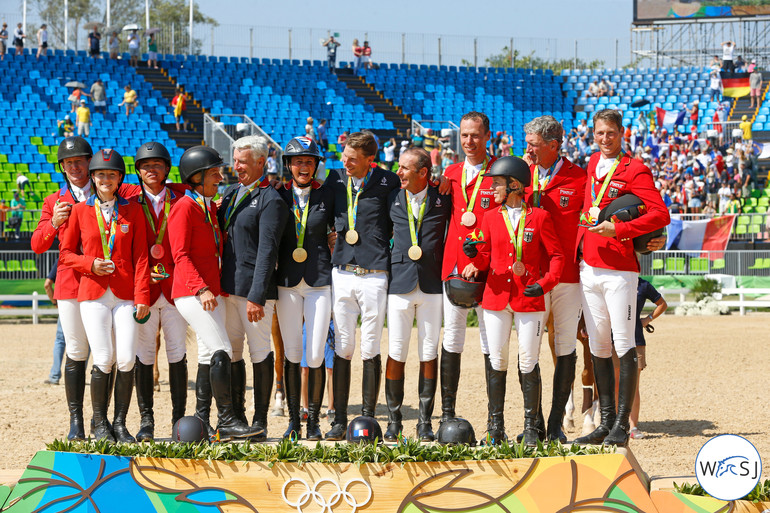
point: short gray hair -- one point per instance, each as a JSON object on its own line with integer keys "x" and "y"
{"x": 257, "y": 144}
{"x": 546, "y": 127}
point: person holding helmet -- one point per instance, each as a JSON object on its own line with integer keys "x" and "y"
{"x": 156, "y": 200}
{"x": 196, "y": 245}
{"x": 105, "y": 243}
{"x": 419, "y": 215}
{"x": 524, "y": 260}
{"x": 252, "y": 216}
{"x": 74, "y": 154}
{"x": 304, "y": 281}
{"x": 609, "y": 270}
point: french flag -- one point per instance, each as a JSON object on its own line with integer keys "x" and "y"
{"x": 668, "y": 119}
{"x": 703, "y": 235}
{"x": 360, "y": 432}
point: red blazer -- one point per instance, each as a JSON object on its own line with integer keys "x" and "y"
{"x": 457, "y": 232}
{"x": 81, "y": 244}
{"x": 563, "y": 199}
{"x": 540, "y": 245}
{"x": 193, "y": 249}
{"x": 630, "y": 177}
{"x": 175, "y": 192}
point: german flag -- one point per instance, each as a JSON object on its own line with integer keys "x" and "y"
{"x": 735, "y": 85}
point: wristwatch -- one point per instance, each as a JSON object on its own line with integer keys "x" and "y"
{"x": 201, "y": 291}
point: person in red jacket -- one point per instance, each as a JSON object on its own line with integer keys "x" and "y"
{"x": 558, "y": 186}
{"x": 156, "y": 199}
{"x": 105, "y": 243}
{"x": 196, "y": 245}
{"x": 524, "y": 260}
{"x": 609, "y": 271}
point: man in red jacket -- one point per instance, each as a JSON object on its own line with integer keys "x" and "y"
{"x": 609, "y": 271}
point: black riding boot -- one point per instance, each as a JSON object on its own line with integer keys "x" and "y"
{"x": 316, "y": 381}
{"x": 145, "y": 401}
{"x": 229, "y": 426}
{"x": 626, "y": 391}
{"x": 530, "y": 389}
{"x": 124, "y": 388}
{"x": 292, "y": 382}
{"x": 203, "y": 396}
{"x": 450, "y": 378}
{"x": 370, "y": 385}
{"x": 427, "y": 395}
{"x": 539, "y": 422}
{"x": 394, "y": 397}
{"x": 604, "y": 375}
{"x": 75, "y": 387}
{"x": 563, "y": 378}
{"x": 100, "y": 393}
{"x": 177, "y": 380}
{"x": 238, "y": 389}
{"x": 341, "y": 387}
{"x": 496, "y": 398}
{"x": 110, "y": 388}
{"x": 264, "y": 373}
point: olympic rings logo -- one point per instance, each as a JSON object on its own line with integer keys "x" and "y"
{"x": 336, "y": 497}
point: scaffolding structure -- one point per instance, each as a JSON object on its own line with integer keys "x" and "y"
{"x": 695, "y": 42}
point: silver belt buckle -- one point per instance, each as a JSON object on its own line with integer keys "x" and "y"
{"x": 360, "y": 271}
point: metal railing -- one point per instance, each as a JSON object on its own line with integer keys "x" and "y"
{"x": 25, "y": 265}
{"x": 730, "y": 132}
{"x": 731, "y": 262}
{"x": 441, "y": 128}
{"x": 220, "y": 131}
{"x": 216, "y": 136}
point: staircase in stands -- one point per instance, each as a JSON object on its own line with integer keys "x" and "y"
{"x": 160, "y": 81}
{"x": 377, "y": 100}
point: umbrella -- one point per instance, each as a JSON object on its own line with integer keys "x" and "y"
{"x": 75, "y": 83}
{"x": 640, "y": 103}
{"x": 112, "y": 28}
{"x": 152, "y": 31}
{"x": 92, "y": 25}
{"x": 131, "y": 26}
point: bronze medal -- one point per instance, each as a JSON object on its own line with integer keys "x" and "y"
{"x": 157, "y": 251}
{"x": 299, "y": 255}
{"x": 468, "y": 219}
{"x": 415, "y": 252}
{"x": 351, "y": 237}
{"x": 593, "y": 212}
{"x": 518, "y": 268}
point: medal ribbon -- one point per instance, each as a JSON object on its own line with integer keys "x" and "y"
{"x": 166, "y": 208}
{"x": 585, "y": 218}
{"x": 300, "y": 221}
{"x": 412, "y": 230}
{"x": 353, "y": 205}
{"x": 107, "y": 245}
{"x": 214, "y": 226}
{"x": 518, "y": 236}
{"x": 470, "y": 204}
{"x": 233, "y": 205}
{"x": 537, "y": 190}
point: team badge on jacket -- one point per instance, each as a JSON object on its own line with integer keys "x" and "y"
{"x": 564, "y": 201}
{"x": 484, "y": 202}
{"x": 527, "y": 236}
{"x": 124, "y": 228}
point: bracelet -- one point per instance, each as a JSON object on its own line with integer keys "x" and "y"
{"x": 201, "y": 291}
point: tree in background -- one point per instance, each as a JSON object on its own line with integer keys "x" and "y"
{"x": 513, "y": 59}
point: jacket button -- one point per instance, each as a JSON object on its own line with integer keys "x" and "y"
{"x": 509, "y": 281}
{"x": 459, "y": 238}
{"x": 510, "y": 254}
{"x": 509, "y": 267}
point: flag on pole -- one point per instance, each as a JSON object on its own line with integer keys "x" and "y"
{"x": 702, "y": 235}
{"x": 669, "y": 118}
{"x": 735, "y": 85}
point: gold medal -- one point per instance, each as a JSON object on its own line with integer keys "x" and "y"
{"x": 593, "y": 212}
{"x": 299, "y": 255}
{"x": 157, "y": 251}
{"x": 415, "y": 252}
{"x": 351, "y": 237}
{"x": 518, "y": 268}
{"x": 468, "y": 219}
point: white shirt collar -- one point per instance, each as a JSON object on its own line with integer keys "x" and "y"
{"x": 420, "y": 196}
{"x": 156, "y": 200}
{"x": 544, "y": 170}
{"x": 81, "y": 194}
{"x": 604, "y": 165}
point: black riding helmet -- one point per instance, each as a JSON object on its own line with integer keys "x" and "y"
{"x": 152, "y": 150}
{"x": 74, "y": 146}
{"x": 456, "y": 431}
{"x": 198, "y": 159}
{"x": 512, "y": 167}
{"x": 108, "y": 159}
{"x": 364, "y": 429}
{"x": 627, "y": 208}
{"x": 301, "y": 146}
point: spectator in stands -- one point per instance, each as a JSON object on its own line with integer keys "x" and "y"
{"x": 3, "y": 218}
{"x": 417, "y": 138}
{"x": 435, "y": 160}
{"x": 709, "y": 209}
{"x": 728, "y": 48}
{"x": 733, "y": 207}
{"x": 505, "y": 145}
{"x": 152, "y": 52}
{"x": 745, "y": 126}
{"x": 83, "y": 118}
{"x": 715, "y": 86}
{"x": 133, "y": 47}
{"x": 755, "y": 85}
{"x": 389, "y": 149}
{"x": 17, "y": 213}
{"x": 58, "y": 345}
{"x": 114, "y": 44}
{"x": 366, "y": 55}
{"x": 404, "y": 145}
{"x": 129, "y": 100}
{"x": 749, "y": 170}
{"x": 593, "y": 89}
{"x": 179, "y": 102}
{"x": 712, "y": 188}
{"x": 752, "y": 66}
{"x": 716, "y": 64}
{"x": 66, "y": 127}
{"x": 22, "y": 182}
{"x": 724, "y": 193}
{"x": 342, "y": 139}
{"x": 95, "y": 43}
{"x": 429, "y": 140}
{"x": 75, "y": 97}
{"x": 3, "y": 41}
{"x": 357, "y": 53}
{"x": 740, "y": 64}
{"x": 42, "y": 41}
{"x": 18, "y": 39}
{"x": 323, "y": 136}
{"x": 331, "y": 45}
{"x": 447, "y": 159}
{"x": 99, "y": 96}
{"x": 694, "y": 112}
{"x": 310, "y": 129}
{"x": 606, "y": 88}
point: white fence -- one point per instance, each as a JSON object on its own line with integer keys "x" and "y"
{"x": 36, "y": 312}
{"x": 744, "y": 302}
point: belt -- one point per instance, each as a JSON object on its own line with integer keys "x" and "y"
{"x": 358, "y": 271}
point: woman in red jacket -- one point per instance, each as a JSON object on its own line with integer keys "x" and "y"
{"x": 196, "y": 243}
{"x": 105, "y": 242}
{"x": 517, "y": 240}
